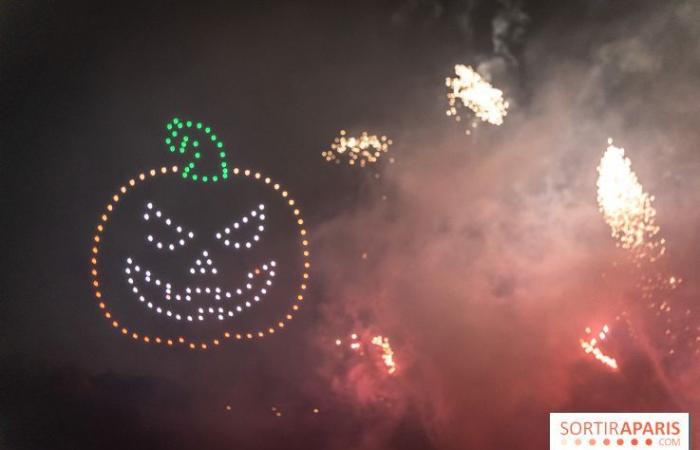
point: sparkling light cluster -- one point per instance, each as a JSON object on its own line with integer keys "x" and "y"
{"x": 216, "y": 292}
{"x": 379, "y": 341}
{"x": 468, "y": 89}
{"x": 367, "y": 148}
{"x": 188, "y": 342}
{"x": 626, "y": 207}
{"x": 387, "y": 352}
{"x": 590, "y": 346}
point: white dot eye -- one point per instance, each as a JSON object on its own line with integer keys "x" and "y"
{"x": 155, "y": 239}
{"x": 253, "y": 216}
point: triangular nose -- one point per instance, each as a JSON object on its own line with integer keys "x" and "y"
{"x": 203, "y": 265}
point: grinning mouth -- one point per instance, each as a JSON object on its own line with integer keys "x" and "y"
{"x": 188, "y": 304}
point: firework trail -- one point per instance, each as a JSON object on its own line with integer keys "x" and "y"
{"x": 629, "y": 212}
{"x": 627, "y": 208}
{"x": 362, "y": 150}
{"x": 591, "y": 346}
{"x": 469, "y": 90}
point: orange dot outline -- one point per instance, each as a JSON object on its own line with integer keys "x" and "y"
{"x": 226, "y": 335}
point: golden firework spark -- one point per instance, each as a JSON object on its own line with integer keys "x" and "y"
{"x": 626, "y": 207}
{"x": 379, "y": 341}
{"x": 590, "y": 346}
{"x": 468, "y": 89}
{"x": 362, "y": 150}
{"x": 387, "y": 352}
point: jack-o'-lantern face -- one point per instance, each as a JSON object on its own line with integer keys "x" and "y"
{"x": 185, "y": 259}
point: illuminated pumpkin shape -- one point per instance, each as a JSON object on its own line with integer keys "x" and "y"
{"x": 181, "y": 258}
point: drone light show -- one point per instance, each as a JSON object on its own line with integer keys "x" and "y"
{"x": 368, "y": 225}
{"x": 198, "y": 292}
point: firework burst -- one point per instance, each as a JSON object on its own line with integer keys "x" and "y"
{"x": 362, "y": 150}
{"x": 379, "y": 342}
{"x": 468, "y": 89}
{"x": 387, "y": 352}
{"x": 626, "y": 207}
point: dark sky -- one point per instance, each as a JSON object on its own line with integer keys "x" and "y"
{"x": 485, "y": 255}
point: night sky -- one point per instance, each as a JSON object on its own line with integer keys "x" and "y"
{"x": 482, "y": 257}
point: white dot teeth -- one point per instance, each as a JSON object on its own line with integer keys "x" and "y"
{"x": 220, "y": 312}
